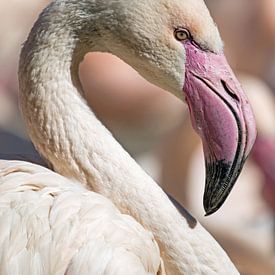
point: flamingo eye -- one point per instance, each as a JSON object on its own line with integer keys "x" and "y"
{"x": 182, "y": 34}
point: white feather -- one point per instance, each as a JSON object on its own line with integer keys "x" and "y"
{"x": 51, "y": 225}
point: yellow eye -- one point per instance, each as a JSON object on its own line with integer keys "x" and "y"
{"x": 181, "y": 34}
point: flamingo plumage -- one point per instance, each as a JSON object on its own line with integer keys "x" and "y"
{"x": 56, "y": 226}
{"x": 176, "y": 51}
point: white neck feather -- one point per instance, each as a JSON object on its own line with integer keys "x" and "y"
{"x": 70, "y": 137}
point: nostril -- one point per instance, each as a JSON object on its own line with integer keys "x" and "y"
{"x": 229, "y": 90}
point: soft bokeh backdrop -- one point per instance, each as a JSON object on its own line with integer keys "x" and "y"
{"x": 155, "y": 128}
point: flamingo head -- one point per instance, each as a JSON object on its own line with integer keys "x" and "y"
{"x": 176, "y": 45}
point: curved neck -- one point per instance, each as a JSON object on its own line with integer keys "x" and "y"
{"x": 70, "y": 137}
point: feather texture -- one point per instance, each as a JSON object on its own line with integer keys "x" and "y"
{"x": 54, "y": 225}
{"x": 43, "y": 214}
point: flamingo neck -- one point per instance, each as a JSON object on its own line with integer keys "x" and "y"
{"x": 68, "y": 134}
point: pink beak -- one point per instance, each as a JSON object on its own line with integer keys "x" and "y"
{"x": 222, "y": 116}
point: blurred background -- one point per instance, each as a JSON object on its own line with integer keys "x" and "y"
{"x": 155, "y": 128}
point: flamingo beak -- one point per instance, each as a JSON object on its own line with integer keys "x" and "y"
{"x": 223, "y": 118}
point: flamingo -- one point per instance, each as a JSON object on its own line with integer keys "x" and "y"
{"x": 99, "y": 212}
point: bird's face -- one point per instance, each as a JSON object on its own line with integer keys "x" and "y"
{"x": 176, "y": 45}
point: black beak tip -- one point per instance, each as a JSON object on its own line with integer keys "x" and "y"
{"x": 210, "y": 211}
{"x": 209, "y": 207}
{"x": 220, "y": 179}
